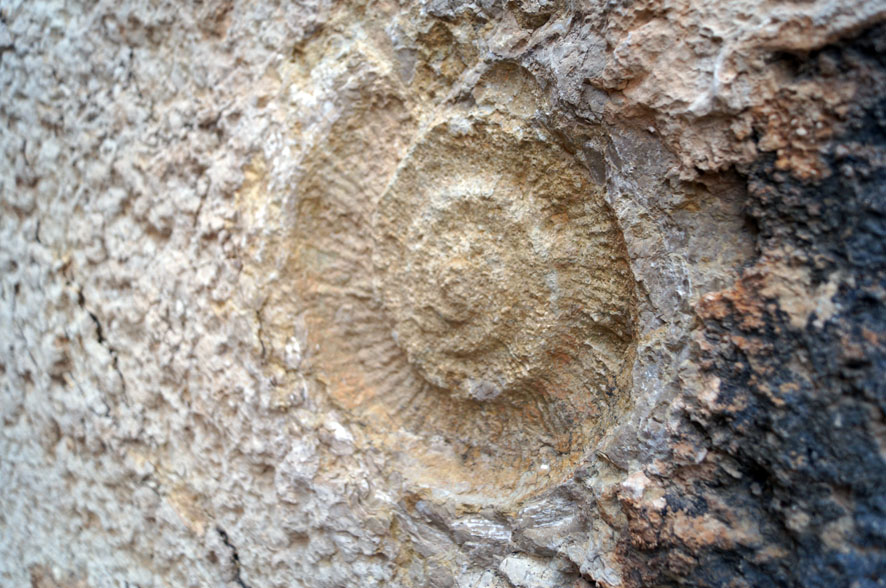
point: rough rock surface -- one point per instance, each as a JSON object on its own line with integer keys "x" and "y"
{"x": 531, "y": 293}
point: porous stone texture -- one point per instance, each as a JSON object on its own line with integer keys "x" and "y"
{"x": 474, "y": 294}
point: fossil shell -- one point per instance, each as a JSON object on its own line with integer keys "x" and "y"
{"x": 476, "y": 314}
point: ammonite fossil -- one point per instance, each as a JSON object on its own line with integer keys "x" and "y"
{"x": 476, "y": 312}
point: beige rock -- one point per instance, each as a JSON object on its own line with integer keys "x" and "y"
{"x": 370, "y": 294}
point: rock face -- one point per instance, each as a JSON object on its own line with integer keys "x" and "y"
{"x": 525, "y": 293}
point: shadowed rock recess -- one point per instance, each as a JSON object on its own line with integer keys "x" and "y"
{"x": 524, "y": 294}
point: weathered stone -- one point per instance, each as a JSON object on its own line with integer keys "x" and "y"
{"x": 478, "y": 294}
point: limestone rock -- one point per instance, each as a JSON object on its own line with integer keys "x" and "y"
{"x": 475, "y": 294}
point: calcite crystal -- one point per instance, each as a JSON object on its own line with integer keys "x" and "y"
{"x": 449, "y": 294}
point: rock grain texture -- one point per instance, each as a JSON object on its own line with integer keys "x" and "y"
{"x": 488, "y": 294}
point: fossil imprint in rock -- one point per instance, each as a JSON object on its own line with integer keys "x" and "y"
{"x": 476, "y": 314}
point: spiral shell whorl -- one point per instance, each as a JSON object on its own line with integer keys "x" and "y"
{"x": 483, "y": 316}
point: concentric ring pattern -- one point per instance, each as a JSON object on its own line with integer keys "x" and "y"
{"x": 476, "y": 313}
